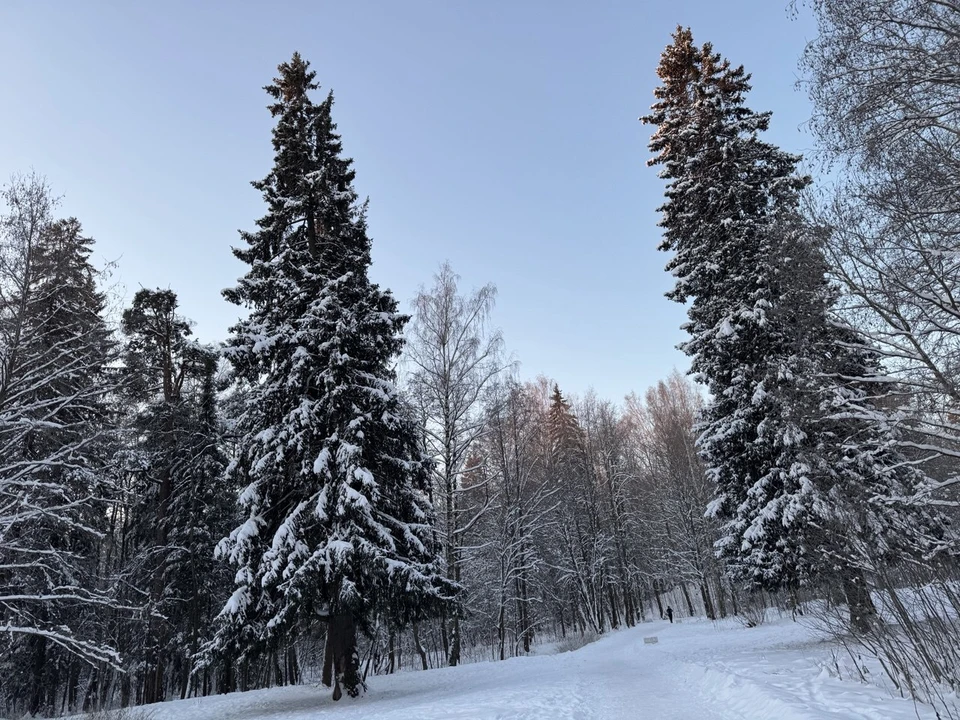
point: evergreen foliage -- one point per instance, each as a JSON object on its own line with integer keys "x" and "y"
{"x": 339, "y": 525}
{"x": 179, "y": 503}
{"x": 178, "y": 519}
{"x": 793, "y": 467}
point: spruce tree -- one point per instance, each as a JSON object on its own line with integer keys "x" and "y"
{"x": 795, "y": 472}
{"x": 339, "y": 525}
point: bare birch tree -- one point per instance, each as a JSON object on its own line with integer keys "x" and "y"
{"x": 676, "y": 491}
{"x": 456, "y": 356}
{"x": 55, "y": 350}
{"x": 523, "y": 517}
{"x": 883, "y": 76}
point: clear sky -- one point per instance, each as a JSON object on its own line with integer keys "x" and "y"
{"x": 501, "y": 135}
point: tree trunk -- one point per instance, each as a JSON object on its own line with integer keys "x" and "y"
{"x": 656, "y": 595}
{"x": 629, "y": 609}
{"x": 423, "y": 653}
{"x": 341, "y": 663}
{"x": 125, "y": 690}
{"x": 857, "y": 593}
{"x": 454, "y": 657}
{"x": 707, "y": 602}
{"x": 73, "y": 687}
{"x": 733, "y": 600}
{"x": 614, "y": 610}
{"x": 38, "y": 665}
{"x": 444, "y": 638}
{"x": 391, "y": 654}
{"x": 686, "y": 596}
{"x": 721, "y": 597}
{"x": 293, "y": 667}
{"x": 502, "y": 625}
{"x": 523, "y": 604}
{"x": 796, "y": 608}
{"x": 93, "y": 690}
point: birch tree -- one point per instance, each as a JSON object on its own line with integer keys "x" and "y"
{"x": 882, "y": 75}
{"x": 608, "y": 442}
{"x": 455, "y": 357}
{"x": 519, "y": 524}
{"x": 677, "y": 490}
{"x": 55, "y": 437}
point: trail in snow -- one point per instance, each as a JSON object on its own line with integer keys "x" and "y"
{"x": 697, "y": 671}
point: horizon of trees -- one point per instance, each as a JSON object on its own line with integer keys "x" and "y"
{"x": 451, "y": 509}
{"x": 543, "y": 507}
{"x": 340, "y": 489}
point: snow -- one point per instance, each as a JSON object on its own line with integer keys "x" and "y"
{"x": 696, "y": 671}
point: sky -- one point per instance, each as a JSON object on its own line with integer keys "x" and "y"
{"x": 500, "y": 136}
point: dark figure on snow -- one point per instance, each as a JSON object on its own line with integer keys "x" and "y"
{"x": 670, "y": 613}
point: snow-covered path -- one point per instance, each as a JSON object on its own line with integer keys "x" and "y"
{"x": 697, "y": 671}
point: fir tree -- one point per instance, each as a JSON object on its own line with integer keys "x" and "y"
{"x": 339, "y": 525}
{"x": 789, "y": 473}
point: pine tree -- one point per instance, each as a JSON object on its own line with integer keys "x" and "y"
{"x": 203, "y": 510}
{"x": 180, "y": 503}
{"x": 335, "y": 484}
{"x": 55, "y": 442}
{"x": 789, "y": 473}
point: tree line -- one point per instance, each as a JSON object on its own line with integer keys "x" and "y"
{"x": 340, "y": 489}
{"x": 335, "y": 487}
{"x": 821, "y": 323}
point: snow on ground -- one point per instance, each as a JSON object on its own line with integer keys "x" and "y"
{"x": 697, "y": 671}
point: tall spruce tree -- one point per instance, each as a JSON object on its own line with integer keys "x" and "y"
{"x": 795, "y": 472}
{"x": 339, "y": 524}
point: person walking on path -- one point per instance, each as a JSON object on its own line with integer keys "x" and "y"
{"x": 670, "y": 614}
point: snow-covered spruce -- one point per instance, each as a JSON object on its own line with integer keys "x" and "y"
{"x": 339, "y": 525}
{"x": 797, "y": 476}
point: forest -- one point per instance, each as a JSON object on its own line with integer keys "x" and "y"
{"x": 342, "y": 489}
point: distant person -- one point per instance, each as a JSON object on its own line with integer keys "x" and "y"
{"x": 670, "y": 613}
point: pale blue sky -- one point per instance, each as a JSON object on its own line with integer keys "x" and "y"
{"x": 502, "y": 136}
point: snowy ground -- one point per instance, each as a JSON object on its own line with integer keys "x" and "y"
{"x": 697, "y": 670}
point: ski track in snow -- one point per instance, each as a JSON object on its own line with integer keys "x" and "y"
{"x": 697, "y": 671}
